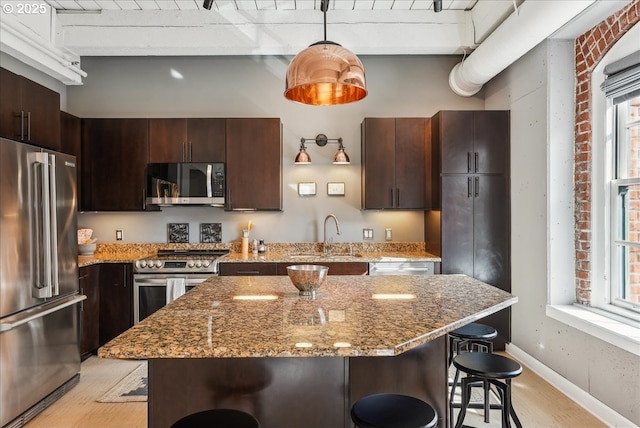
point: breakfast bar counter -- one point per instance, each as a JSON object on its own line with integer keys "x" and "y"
{"x": 254, "y": 344}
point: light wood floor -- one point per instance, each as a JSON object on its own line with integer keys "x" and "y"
{"x": 537, "y": 403}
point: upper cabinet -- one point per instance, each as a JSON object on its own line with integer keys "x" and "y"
{"x": 254, "y": 164}
{"x": 472, "y": 142}
{"x": 70, "y": 140}
{"x": 29, "y": 112}
{"x": 115, "y": 154}
{"x": 393, "y": 163}
{"x": 187, "y": 140}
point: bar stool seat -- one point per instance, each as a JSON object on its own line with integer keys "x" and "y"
{"x": 392, "y": 411}
{"x": 474, "y": 337}
{"x": 218, "y": 418}
{"x": 489, "y": 369}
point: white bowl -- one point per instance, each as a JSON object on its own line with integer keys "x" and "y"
{"x": 87, "y": 249}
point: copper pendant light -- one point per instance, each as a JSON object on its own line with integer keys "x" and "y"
{"x": 325, "y": 73}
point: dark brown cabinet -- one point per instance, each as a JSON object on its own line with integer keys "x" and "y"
{"x": 393, "y": 163}
{"x": 29, "y": 112}
{"x": 477, "y": 142}
{"x": 254, "y": 164}
{"x": 187, "y": 140}
{"x": 116, "y": 297}
{"x": 90, "y": 317}
{"x": 335, "y": 268}
{"x": 248, "y": 269}
{"x": 70, "y": 139}
{"x": 470, "y": 225}
{"x": 115, "y": 154}
{"x": 267, "y": 268}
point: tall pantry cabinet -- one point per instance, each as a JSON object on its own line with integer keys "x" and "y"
{"x": 469, "y": 226}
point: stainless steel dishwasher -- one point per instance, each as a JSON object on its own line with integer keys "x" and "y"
{"x": 401, "y": 268}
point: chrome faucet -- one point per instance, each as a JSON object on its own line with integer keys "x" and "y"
{"x": 326, "y": 245}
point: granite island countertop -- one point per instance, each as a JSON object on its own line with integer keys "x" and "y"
{"x": 264, "y": 317}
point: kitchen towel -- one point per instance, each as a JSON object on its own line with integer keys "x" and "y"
{"x": 175, "y": 288}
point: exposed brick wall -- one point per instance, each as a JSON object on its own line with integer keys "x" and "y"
{"x": 590, "y": 47}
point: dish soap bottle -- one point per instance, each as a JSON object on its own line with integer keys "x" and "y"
{"x": 261, "y": 247}
{"x": 254, "y": 247}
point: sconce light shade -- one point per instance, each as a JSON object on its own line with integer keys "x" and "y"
{"x": 303, "y": 158}
{"x": 325, "y": 73}
{"x": 341, "y": 157}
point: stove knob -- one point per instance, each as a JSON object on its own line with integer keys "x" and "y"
{"x": 198, "y": 263}
{"x": 156, "y": 263}
{"x": 142, "y": 263}
{"x": 190, "y": 263}
{"x": 206, "y": 263}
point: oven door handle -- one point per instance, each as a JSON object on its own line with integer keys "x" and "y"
{"x": 163, "y": 281}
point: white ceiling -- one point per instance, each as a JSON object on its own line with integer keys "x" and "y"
{"x": 273, "y": 27}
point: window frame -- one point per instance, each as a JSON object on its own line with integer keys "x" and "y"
{"x": 616, "y": 155}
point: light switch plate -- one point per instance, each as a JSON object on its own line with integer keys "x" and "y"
{"x": 367, "y": 233}
{"x": 306, "y": 189}
{"x": 387, "y": 234}
{"x": 335, "y": 189}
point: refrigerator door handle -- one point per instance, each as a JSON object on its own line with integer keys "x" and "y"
{"x": 42, "y": 287}
{"x": 53, "y": 229}
{"x": 16, "y": 321}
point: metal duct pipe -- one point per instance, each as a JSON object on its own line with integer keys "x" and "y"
{"x": 533, "y": 22}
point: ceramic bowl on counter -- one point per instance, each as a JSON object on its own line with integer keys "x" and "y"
{"x": 87, "y": 249}
{"x": 307, "y": 278}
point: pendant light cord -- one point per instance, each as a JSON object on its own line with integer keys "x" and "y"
{"x": 324, "y": 6}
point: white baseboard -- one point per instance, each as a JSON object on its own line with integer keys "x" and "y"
{"x": 591, "y": 404}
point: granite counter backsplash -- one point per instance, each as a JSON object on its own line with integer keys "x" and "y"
{"x": 276, "y": 252}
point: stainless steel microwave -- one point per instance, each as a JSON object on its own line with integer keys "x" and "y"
{"x": 186, "y": 183}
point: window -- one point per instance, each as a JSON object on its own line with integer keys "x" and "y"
{"x": 622, "y": 88}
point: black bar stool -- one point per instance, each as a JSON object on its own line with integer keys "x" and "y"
{"x": 474, "y": 337}
{"x": 489, "y": 369}
{"x": 392, "y": 411}
{"x": 218, "y": 418}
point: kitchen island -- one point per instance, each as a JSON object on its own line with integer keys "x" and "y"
{"x": 252, "y": 343}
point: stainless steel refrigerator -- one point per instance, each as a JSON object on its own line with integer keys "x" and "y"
{"x": 39, "y": 291}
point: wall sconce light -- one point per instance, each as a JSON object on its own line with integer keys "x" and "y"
{"x": 340, "y": 158}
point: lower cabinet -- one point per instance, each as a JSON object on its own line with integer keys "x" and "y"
{"x": 266, "y": 268}
{"x": 116, "y": 291}
{"x": 335, "y": 268}
{"x": 248, "y": 269}
{"x": 89, "y": 279}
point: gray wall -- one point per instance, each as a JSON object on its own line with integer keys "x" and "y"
{"x": 253, "y": 87}
{"x": 538, "y": 89}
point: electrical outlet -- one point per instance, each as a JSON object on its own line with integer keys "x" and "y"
{"x": 367, "y": 233}
{"x": 119, "y": 235}
{"x": 387, "y": 234}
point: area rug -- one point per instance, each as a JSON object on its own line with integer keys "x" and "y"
{"x": 132, "y": 387}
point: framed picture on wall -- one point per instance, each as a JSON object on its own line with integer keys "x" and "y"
{"x": 178, "y": 233}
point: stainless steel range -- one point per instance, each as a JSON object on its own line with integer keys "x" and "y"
{"x": 159, "y": 279}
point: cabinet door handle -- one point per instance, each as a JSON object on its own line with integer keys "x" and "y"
{"x": 190, "y": 152}
{"x": 468, "y": 187}
{"x": 229, "y": 198}
{"x": 468, "y": 161}
{"x": 391, "y": 194}
{"x": 28, "y": 126}
{"x": 184, "y": 151}
{"x": 477, "y": 186}
{"x": 21, "y": 125}
{"x": 144, "y": 199}
{"x": 475, "y": 161}
{"x": 397, "y": 197}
